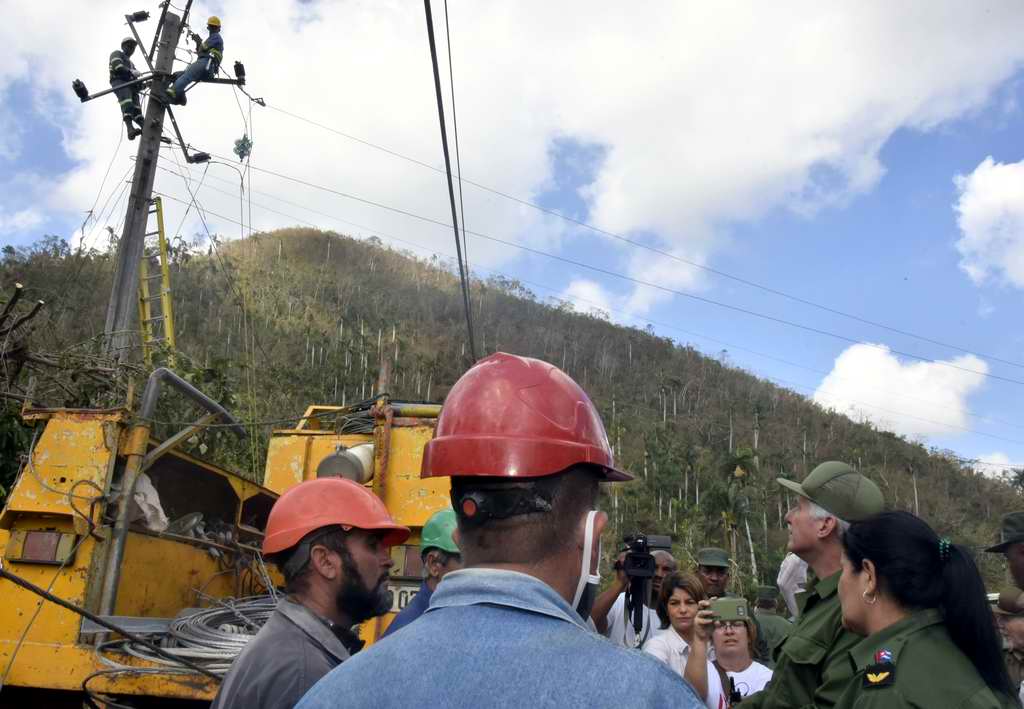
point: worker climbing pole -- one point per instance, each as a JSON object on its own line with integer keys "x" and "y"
{"x": 127, "y": 83}
{"x": 123, "y": 75}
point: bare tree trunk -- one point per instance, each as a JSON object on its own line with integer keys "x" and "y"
{"x": 750, "y": 543}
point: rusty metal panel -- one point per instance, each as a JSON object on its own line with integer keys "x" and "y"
{"x": 410, "y": 499}
{"x": 72, "y": 447}
{"x": 161, "y": 576}
{"x": 293, "y": 455}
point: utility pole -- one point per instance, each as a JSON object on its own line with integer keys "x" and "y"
{"x": 124, "y": 294}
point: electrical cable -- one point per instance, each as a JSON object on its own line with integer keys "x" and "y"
{"x": 448, "y": 173}
{"x": 103, "y": 182}
{"x": 39, "y": 607}
{"x": 735, "y": 347}
{"x": 653, "y": 249}
{"x": 638, "y": 281}
{"x": 455, "y": 132}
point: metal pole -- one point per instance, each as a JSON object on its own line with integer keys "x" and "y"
{"x": 123, "y": 295}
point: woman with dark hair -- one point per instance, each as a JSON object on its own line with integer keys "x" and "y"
{"x": 921, "y": 603}
{"x": 683, "y": 643}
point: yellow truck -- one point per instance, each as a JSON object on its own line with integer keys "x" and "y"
{"x": 186, "y": 536}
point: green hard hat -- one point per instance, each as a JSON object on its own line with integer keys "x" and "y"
{"x": 769, "y": 594}
{"x": 437, "y": 532}
{"x": 1010, "y": 532}
{"x": 840, "y": 489}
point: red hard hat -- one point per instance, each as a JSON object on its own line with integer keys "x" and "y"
{"x": 324, "y": 502}
{"x": 512, "y": 416}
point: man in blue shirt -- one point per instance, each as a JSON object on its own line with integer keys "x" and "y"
{"x": 210, "y": 54}
{"x": 526, "y": 450}
{"x": 440, "y": 554}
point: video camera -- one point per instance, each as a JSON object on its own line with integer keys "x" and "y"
{"x": 638, "y": 565}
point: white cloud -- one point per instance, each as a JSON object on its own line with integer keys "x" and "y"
{"x": 22, "y": 220}
{"x": 990, "y": 213}
{"x": 992, "y": 464}
{"x": 710, "y": 113}
{"x": 586, "y": 295}
{"x": 868, "y": 381}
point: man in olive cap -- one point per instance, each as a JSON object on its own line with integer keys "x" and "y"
{"x": 774, "y": 627}
{"x": 713, "y": 570}
{"x": 1011, "y": 543}
{"x": 813, "y": 665}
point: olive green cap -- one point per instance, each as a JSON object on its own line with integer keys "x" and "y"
{"x": 437, "y": 532}
{"x": 1010, "y": 532}
{"x": 769, "y": 594}
{"x": 713, "y": 556}
{"x": 840, "y": 489}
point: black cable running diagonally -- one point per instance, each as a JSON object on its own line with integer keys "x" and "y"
{"x": 455, "y": 131}
{"x": 638, "y": 281}
{"x": 653, "y": 249}
{"x": 448, "y": 171}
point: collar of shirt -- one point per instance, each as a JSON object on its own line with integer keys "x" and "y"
{"x": 892, "y": 638}
{"x": 679, "y": 646}
{"x": 822, "y": 589}
{"x": 500, "y": 587}
{"x": 333, "y": 639}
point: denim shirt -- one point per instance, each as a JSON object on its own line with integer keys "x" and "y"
{"x": 495, "y": 638}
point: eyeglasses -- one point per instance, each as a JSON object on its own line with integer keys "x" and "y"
{"x": 734, "y": 624}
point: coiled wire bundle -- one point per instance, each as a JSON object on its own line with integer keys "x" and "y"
{"x": 211, "y": 637}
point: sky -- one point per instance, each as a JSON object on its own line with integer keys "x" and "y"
{"x": 828, "y": 195}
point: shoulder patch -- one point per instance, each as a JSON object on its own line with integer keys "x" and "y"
{"x": 881, "y": 674}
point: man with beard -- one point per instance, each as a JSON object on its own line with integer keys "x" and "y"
{"x": 332, "y": 540}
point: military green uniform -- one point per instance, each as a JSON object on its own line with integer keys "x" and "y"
{"x": 812, "y": 667}
{"x": 774, "y": 627}
{"x": 914, "y": 663}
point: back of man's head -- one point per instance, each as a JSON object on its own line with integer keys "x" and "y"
{"x": 558, "y": 505}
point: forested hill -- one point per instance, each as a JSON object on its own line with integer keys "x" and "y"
{"x": 281, "y": 320}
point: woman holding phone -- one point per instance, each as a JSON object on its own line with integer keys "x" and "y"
{"x": 683, "y": 644}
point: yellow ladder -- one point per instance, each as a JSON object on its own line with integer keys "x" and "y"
{"x": 155, "y": 307}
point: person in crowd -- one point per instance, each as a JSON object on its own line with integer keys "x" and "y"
{"x": 332, "y": 540}
{"x": 714, "y": 569}
{"x": 683, "y": 643}
{"x": 773, "y": 626}
{"x": 920, "y": 603}
{"x": 734, "y": 641}
{"x": 526, "y": 451}
{"x": 440, "y": 555}
{"x": 609, "y": 611}
{"x": 812, "y": 666}
{"x": 1009, "y": 613}
{"x": 1011, "y": 545}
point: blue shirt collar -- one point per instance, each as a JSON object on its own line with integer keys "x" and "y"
{"x": 500, "y": 587}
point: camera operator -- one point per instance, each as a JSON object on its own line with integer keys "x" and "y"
{"x": 609, "y": 610}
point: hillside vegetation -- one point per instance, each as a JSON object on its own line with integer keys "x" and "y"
{"x": 285, "y": 319}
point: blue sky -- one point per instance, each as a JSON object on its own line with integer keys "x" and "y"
{"x": 825, "y": 169}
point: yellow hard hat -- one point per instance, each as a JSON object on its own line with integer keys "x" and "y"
{"x": 214, "y": 21}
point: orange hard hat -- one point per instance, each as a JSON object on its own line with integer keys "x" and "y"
{"x": 325, "y": 502}
{"x": 517, "y": 417}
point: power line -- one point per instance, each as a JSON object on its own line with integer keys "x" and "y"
{"x": 782, "y": 381}
{"x": 653, "y": 249}
{"x": 455, "y": 130}
{"x": 638, "y": 281}
{"x": 448, "y": 174}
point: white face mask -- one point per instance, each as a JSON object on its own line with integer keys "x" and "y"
{"x": 586, "y": 588}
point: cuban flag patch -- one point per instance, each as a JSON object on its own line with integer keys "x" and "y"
{"x": 883, "y": 657}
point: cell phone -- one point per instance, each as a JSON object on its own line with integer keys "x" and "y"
{"x": 730, "y": 609}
